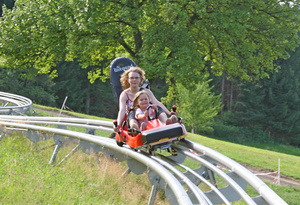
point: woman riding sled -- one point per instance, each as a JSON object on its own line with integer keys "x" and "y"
{"x": 131, "y": 81}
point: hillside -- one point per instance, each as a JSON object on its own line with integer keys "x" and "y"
{"x": 89, "y": 182}
{"x": 286, "y": 178}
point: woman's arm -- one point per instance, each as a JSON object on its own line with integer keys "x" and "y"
{"x": 122, "y": 110}
{"x": 156, "y": 102}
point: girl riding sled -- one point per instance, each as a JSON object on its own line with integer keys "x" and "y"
{"x": 143, "y": 110}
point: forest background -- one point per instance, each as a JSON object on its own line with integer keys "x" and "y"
{"x": 231, "y": 67}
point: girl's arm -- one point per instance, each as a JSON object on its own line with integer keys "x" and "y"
{"x": 141, "y": 116}
{"x": 156, "y": 102}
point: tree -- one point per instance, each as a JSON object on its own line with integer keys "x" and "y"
{"x": 198, "y": 107}
{"x": 95, "y": 99}
{"x": 38, "y": 88}
{"x": 273, "y": 104}
{"x": 171, "y": 39}
{"x": 8, "y": 3}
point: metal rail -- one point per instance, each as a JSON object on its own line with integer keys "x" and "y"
{"x": 173, "y": 183}
{"x": 208, "y": 158}
{"x": 164, "y": 172}
{"x": 14, "y": 104}
{"x": 267, "y": 195}
{"x": 62, "y": 121}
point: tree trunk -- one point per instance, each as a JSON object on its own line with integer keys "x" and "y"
{"x": 231, "y": 95}
{"x": 223, "y": 91}
{"x": 88, "y": 98}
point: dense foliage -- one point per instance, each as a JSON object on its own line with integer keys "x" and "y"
{"x": 171, "y": 39}
{"x": 94, "y": 99}
{"x": 268, "y": 108}
{"x": 176, "y": 42}
{"x": 40, "y": 89}
{"x": 198, "y": 112}
{"x": 7, "y": 3}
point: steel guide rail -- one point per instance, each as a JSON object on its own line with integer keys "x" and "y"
{"x": 21, "y": 104}
{"x": 83, "y": 123}
{"x": 266, "y": 195}
{"x": 72, "y": 122}
{"x": 265, "y": 192}
{"x": 173, "y": 183}
{"x": 211, "y": 186}
{"x": 222, "y": 174}
{"x": 78, "y": 121}
{"x": 200, "y": 196}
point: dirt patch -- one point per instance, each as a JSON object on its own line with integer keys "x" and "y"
{"x": 272, "y": 178}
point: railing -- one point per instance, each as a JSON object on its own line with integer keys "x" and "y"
{"x": 177, "y": 189}
{"x": 164, "y": 172}
{"x": 14, "y": 104}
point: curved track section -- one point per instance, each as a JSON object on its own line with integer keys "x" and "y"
{"x": 182, "y": 184}
{"x": 189, "y": 177}
{"x": 14, "y": 104}
{"x": 177, "y": 189}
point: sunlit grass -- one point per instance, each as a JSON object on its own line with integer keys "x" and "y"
{"x": 289, "y": 164}
{"x": 92, "y": 179}
{"x": 28, "y": 178}
{"x": 40, "y": 112}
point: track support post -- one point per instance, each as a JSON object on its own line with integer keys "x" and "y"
{"x": 153, "y": 192}
{"x": 56, "y": 149}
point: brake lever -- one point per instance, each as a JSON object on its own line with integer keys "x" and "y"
{"x": 174, "y": 107}
{"x": 133, "y": 131}
{"x": 116, "y": 124}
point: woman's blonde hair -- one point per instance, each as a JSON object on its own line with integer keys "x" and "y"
{"x": 124, "y": 76}
{"x": 136, "y": 97}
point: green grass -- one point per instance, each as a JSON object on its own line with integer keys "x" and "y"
{"x": 45, "y": 113}
{"x": 255, "y": 157}
{"x": 286, "y": 149}
{"x": 289, "y": 194}
{"x": 27, "y": 178}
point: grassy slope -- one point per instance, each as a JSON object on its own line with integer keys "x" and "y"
{"x": 26, "y": 177}
{"x": 255, "y": 157}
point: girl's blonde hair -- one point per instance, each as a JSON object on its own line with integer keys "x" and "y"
{"x": 136, "y": 98}
{"x": 124, "y": 76}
